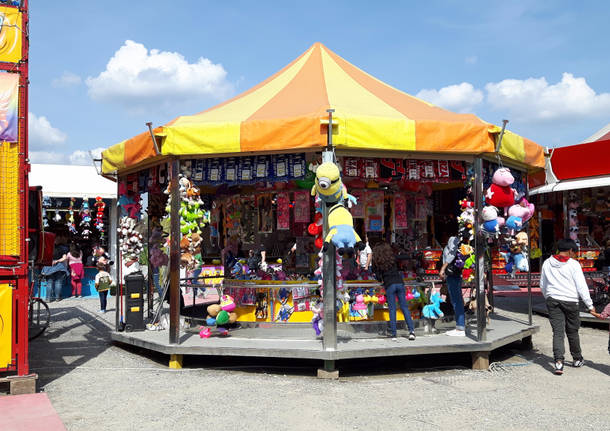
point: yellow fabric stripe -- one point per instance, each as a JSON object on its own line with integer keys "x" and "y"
{"x": 512, "y": 144}
{"x": 113, "y": 158}
{"x": 242, "y": 108}
{"x": 10, "y": 244}
{"x": 206, "y": 138}
{"x": 364, "y": 120}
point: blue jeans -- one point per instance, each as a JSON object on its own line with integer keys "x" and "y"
{"x": 454, "y": 285}
{"x": 103, "y": 295}
{"x": 55, "y": 284}
{"x": 393, "y": 291}
{"x": 155, "y": 277}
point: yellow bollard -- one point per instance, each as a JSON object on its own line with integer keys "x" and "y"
{"x": 175, "y": 361}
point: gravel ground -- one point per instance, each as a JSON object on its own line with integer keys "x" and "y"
{"x": 95, "y": 385}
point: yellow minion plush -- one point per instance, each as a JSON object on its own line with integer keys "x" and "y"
{"x": 328, "y": 185}
{"x": 341, "y": 230}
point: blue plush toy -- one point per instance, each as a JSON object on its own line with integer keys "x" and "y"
{"x": 514, "y": 223}
{"x": 433, "y": 310}
{"x": 521, "y": 263}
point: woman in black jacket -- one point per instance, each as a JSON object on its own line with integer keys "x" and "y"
{"x": 386, "y": 271}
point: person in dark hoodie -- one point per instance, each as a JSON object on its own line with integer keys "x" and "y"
{"x": 562, "y": 283}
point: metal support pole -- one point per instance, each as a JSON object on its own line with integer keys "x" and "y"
{"x": 529, "y": 263}
{"x": 499, "y": 144}
{"x": 152, "y": 135}
{"x": 174, "y": 255}
{"x": 479, "y": 249}
{"x": 490, "y": 279}
{"x": 329, "y": 263}
{"x": 566, "y": 222}
{"x": 119, "y": 263}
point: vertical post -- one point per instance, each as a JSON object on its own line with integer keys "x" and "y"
{"x": 119, "y": 262}
{"x": 174, "y": 254}
{"x": 479, "y": 249}
{"x": 529, "y": 263}
{"x": 540, "y": 240}
{"x": 329, "y": 263}
{"x": 566, "y": 223}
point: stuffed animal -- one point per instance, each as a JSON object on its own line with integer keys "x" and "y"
{"x": 514, "y": 224}
{"x": 341, "y": 231}
{"x": 328, "y": 186}
{"x": 490, "y": 222}
{"x": 523, "y": 209}
{"x": 317, "y": 321}
{"x": 500, "y": 194}
{"x": 433, "y": 309}
{"x": 521, "y": 239}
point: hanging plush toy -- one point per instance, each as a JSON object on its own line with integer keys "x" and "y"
{"x": 317, "y": 322}
{"x": 341, "y": 231}
{"x": 490, "y": 220}
{"x": 522, "y": 209}
{"x": 500, "y": 194}
{"x": 328, "y": 186}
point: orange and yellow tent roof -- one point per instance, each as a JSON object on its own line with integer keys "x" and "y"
{"x": 285, "y": 112}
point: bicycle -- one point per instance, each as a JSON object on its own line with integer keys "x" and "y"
{"x": 39, "y": 315}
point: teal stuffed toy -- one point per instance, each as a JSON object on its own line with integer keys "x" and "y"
{"x": 433, "y": 310}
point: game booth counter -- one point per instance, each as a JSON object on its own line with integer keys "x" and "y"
{"x": 80, "y": 206}
{"x": 231, "y": 206}
{"x": 574, "y": 202}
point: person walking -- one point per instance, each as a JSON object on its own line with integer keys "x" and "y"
{"x": 56, "y": 274}
{"x": 77, "y": 270}
{"x": 386, "y": 271}
{"x": 103, "y": 281}
{"x": 365, "y": 255}
{"x": 562, "y": 283}
{"x": 453, "y": 276}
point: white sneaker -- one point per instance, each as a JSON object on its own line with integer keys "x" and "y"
{"x": 456, "y": 333}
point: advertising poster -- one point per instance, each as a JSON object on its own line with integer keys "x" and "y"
{"x": 400, "y": 212}
{"x": 302, "y": 201}
{"x": 374, "y": 211}
{"x": 358, "y": 209}
{"x": 10, "y": 35}
{"x": 9, "y": 95}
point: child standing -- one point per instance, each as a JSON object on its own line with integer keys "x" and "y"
{"x": 103, "y": 281}
{"x": 605, "y": 314}
{"x": 77, "y": 270}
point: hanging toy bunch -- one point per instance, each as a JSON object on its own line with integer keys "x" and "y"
{"x": 464, "y": 259}
{"x": 501, "y": 196}
{"x": 130, "y": 240}
{"x": 70, "y": 217}
{"x": 85, "y": 219}
{"x": 99, "y": 216}
{"x": 573, "y": 206}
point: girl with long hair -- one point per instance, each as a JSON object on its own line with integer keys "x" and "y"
{"x": 386, "y": 271}
{"x": 77, "y": 270}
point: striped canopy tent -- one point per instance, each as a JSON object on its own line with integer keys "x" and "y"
{"x": 287, "y": 112}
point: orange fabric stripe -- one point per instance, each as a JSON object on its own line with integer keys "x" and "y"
{"x": 411, "y": 107}
{"x": 282, "y": 133}
{"x": 439, "y": 136}
{"x": 305, "y": 94}
{"x": 138, "y": 148}
{"x": 292, "y": 118}
{"x": 534, "y": 154}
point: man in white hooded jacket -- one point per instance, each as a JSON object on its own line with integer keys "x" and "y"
{"x": 562, "y": 283}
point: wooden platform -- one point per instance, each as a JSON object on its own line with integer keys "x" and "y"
{"x": 298, "y": 341}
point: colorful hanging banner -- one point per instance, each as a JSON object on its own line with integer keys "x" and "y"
{"x": 358, "y": 209}
{"x": 400, "y": 212}
{"x": 283, "y": 211}
{"x": 302, "y": 200}
{"x": 374, "y": 211}
{"x": 9, "y": 96}
{"x": 10, "y": 34}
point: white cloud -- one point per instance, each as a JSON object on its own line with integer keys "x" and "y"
{"x": 42, "y": 134}
{"x": 139, "y": 78}
{"x": 47, "y": 157}
{"x": 80, "y": 157}
{"x": 67, "y": 79}
{"x": 535, "y": 100}
{"x": 461, "y": 97}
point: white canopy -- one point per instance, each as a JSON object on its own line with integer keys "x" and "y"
{"x": 572, "y": 185}
{"x": 71, "y": 181}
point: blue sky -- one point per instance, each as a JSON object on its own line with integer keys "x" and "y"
{"x": 100, "y": 70}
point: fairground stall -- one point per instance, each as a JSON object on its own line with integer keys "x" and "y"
{"x": 574, "y": 202}
{"x": 228, "y": 209}
{"x": 79, "y": 207}
{"x": 14, "y": 168}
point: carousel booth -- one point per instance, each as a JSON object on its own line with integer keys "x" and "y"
{"x": 79, "y": 207}
{"x": 250, "y": 217}
{"x": 574, "y": 202}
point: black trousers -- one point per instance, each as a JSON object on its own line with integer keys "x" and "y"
{"x": 565, "y": 318}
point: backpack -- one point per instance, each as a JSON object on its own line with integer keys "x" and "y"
{"x": 103, "y": 283}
